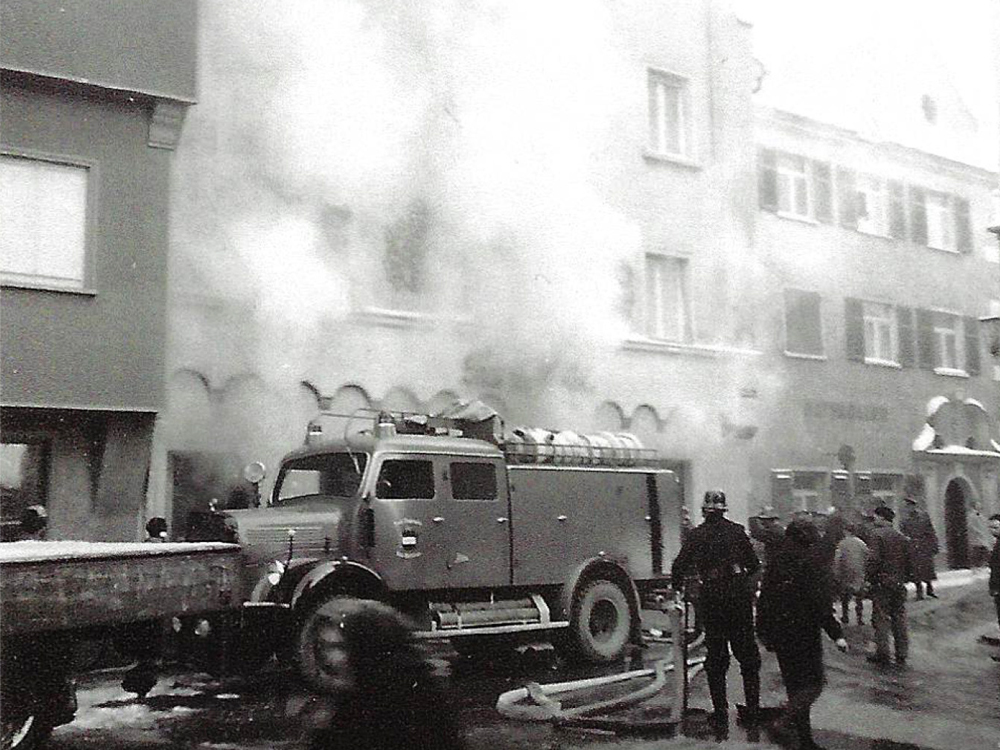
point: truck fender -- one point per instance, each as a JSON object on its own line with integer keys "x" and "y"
{"x": 266, "y": 591}
{"x": 357, "y": 578}
{"x": 599, "y": 567}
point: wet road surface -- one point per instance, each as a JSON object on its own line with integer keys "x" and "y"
{"x": 947, "y": 698}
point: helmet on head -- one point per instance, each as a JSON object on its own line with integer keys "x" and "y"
{"x": 767, "y": 512}
{"x": 714, "y": 500}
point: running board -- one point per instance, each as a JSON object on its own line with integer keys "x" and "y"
{"x": 495, "y": 630}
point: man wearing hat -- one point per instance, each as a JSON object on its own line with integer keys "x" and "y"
{"x": 889, "y": 568}
{"x": 720, "y": 553}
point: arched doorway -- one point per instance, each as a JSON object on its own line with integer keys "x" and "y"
{"x": 955, "y": 524}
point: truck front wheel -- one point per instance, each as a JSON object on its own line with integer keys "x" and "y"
{"x": 601, "y": 622}
{"x": 320, "y": 655}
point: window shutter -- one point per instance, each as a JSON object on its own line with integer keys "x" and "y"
{"x": 925, "y": 339}
{"x": 767, "y": 179}
{"x": 972, "y": 362}
{"x": 781, "y": 493}
{"x": 854, "y": 325}
{"x": 822, "y": 192}
{"x": 918, "y": 216}
{"x": 847, "y": 198}
{"x": 907, "y": 356}
{"x": 897, "y": 210}
{"x": 803, "y": 326}
{"x": 963, "y": 226}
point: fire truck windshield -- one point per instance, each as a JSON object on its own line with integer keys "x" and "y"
{"x": 336, "y": 474}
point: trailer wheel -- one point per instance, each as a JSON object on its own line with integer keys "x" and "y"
{"x": 602, "y": 621}
{"x": 319, "y": 652}
{"x": 24, "y": 730}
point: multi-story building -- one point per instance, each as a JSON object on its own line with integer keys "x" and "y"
{"x": 879, "y": 267}
{"x": 399, "y": 209}
{"x": 92, "y": 97}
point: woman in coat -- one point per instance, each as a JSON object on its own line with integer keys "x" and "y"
{"x": 793, "y": 610}
{"x": 923, "y": 546}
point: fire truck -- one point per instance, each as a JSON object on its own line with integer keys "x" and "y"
{"x": 474, "y": 533}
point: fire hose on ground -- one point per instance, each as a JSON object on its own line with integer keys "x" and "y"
{"x": 544, "y": 704}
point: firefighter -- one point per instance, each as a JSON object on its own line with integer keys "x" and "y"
{"x": 720, "y": 553}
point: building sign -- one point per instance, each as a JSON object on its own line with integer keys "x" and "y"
{"x": 815, "y": 409}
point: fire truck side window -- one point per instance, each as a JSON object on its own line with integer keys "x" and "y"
{"x": 471, "y": 481}
{"x": 405, "y": 480}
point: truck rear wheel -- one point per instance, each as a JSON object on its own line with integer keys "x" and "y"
{"x": 601, "y": 622}
{"x": 319, "y": 648}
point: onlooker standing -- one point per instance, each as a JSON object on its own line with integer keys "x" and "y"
{"x": 889, "y": 568}
{"x": 849, "y": 563}
{"x": 721, "y": 554}
{"x": 923, "y": 546}
{"x": 995, "y": 563}
{"x": 793, "y": 610}
{"x": 767, "y": 534}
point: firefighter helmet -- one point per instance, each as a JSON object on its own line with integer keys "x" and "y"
{"x": 714, "y": 500}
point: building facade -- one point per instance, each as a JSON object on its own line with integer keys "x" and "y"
{"x": 93, "y": 96}
{"x": 400, "y": 210}
{"x": 881, "y": 267}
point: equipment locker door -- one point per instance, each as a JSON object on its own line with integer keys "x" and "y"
{"x": 476, "y": 523}
{"x": 409, "y": 547}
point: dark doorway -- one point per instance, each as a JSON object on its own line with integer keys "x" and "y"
{"x": 955, "y": 526}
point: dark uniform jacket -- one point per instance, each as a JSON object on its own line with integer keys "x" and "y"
{"x": 794, "y": 605}
{"x": 889, "y": 562}
{"x": 719, "y": 551}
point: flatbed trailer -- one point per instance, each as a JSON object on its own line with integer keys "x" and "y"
{"x": 56, "y": 593}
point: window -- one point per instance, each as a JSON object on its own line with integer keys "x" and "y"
{"x": 880, "y": 333}
{"x": 940, "y": 222}
{"x": 43, "y": 212}
{"x": 337, "y": 474}
{"x": 947, "y": 338}
{"x": 803, "y": 326}
{"x": 666, "y": 292}
{"x": 406, "y": 480}
{"x": 471, "y": 481}
{"x": 793, "y": 192}
{"x": 794, "y": 186}
{"x": 807, "y": 491}
{"x": 668, "y": 115}
{"x": 871, "y": 205}
{"x": 23, "y": 482}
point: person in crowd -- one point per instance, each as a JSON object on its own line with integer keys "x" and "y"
{"x": 766, "y": 534}
{"x": 889, "y": 568}
{"x": 720, "y": 553}
{"x": 34, "y": 522}
{"x": 980, "y": 540}
{"x": 849, "y": 563}
{"x": 793, "y": 611}
{"x": 923, "y": 546}
{"x": 389, "y": 697}
{"x": 995, "y": 564}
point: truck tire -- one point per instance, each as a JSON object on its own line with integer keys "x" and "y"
{"x": 601, "y": 624}
{"x": 24, "y": 730}
{"x": 319, "y": 655}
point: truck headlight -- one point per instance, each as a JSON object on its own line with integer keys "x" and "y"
{"x": 275, "y": 571}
